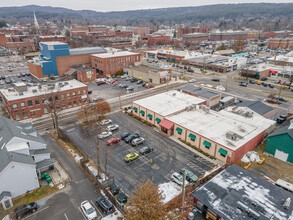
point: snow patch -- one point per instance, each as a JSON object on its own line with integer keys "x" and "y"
{"x": 76, "y": 156}
{"x": 209, "y": 172}
{"x": 169, "y": 191}
{"x": 113, "y": 216}
{"x": 251, "y": 156}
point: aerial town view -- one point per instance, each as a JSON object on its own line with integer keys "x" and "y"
{"x": 146, "y": 110}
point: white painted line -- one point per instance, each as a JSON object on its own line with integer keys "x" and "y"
{"x": 66, "y": 216}
{"x": 96, "y": 208}
{"x": 82, "y": 213}
{"x": 37, "y": 212}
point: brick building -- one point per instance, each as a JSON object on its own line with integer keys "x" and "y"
{"x": 153, "y": 40}
{"x": 59, "y": 38}
{"x": 110, "y": 63}
{"x": 84, "y": 73}
{"x": 23, "y": 102}
{"x": 194, "y": 38}
{"x": 141, "y": 30}
{"x": 282, "y": 43}
{"x": 18, "y": 42}
{"x": 228, "y": 35}
{"x": 56, "y": 59}
{"x": 190, "y": 30}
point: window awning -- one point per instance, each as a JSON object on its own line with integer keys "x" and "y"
{"x": 179, "y": 130}
{"x": 192, "y": 136}
{"x": 206, "y": 143}
{"x": 222, "y": 151}
{"x": 158, "y": 120}
{"x": 149, "y": 116}
{"x": 142, "y": 112}
{"x": 167, "y": 124}
{"x": 134, "y": 108}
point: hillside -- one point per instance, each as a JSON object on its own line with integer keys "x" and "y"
{"x": 177, "y": 15}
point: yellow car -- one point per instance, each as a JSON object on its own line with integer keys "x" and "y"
{"x": 131, "y": 157}
{"x": 258, "y": 82}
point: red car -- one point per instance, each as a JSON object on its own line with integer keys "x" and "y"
{"x": 282, "y": 83}
{"x": 114, "y": 80}
{"x": 101, "y": 83}
{"x": 148, "y": 85}
{"x": 113, "y": 140}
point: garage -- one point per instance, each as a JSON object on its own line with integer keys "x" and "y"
{"x": 281, "y": 155}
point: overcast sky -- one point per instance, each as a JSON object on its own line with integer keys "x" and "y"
{"x": 122, "y": 5}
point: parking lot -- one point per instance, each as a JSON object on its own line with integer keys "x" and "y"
{"x": 168, "y": 156}
{"x": 108, "y": 90}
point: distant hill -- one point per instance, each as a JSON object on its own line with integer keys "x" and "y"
{"x": 178, "y": 15}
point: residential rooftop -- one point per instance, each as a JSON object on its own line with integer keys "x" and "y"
{"x": 12, "y": 94}
{"x": 169, "y": 102}
{"x": 238, "y": 194}
{"x": 115, "y": 54}
{"x": 242, "y": 121}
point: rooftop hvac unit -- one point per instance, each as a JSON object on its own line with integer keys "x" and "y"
{"x": 287, "y": 203}
{"x": 20, "y": 93}
{"x": 66, "y": 83}
{"x": 40, "y": 86}
{"x": 51, "y": 87}
{"x": 11, "y": 90}
{"x": 34, "y": 90}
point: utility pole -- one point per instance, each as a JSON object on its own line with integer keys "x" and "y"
{"x": 183, "y": 192}
{"x": 98, "y": 155}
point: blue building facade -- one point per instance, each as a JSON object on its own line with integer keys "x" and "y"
{"x": 49, "y": 52}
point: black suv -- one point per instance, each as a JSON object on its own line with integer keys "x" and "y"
{"x": 122, "y": 198}
{"x": 24, "y": 210}
{"x": 125, "y": 135}
{"x": 281, "y": 118}
{"x": 131, "y": 137}
{"x": 114, "y": 189}
{"x": 105, "y": 205}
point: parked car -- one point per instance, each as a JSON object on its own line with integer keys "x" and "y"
{"x": 125, "y": 135}
{"x": 271, "y": 85}
{"x": 137, "y": 141}
{"x": 105, "y": 205}
{"x": 139, "y": 82}
{"x": 112, "y": 127}
{"x": 177, "y": 178}
{"x": 143, "y": 84}
{"x": 128, "y": 78}
{"x": 88, "y": 210}
{"x": 98, "y": 98}
{"x": 264, "y": 79}
{"x": 192, "y": 81}
{"x": 148, "y": 85}
{"x": 243, "y": 83}
{"x": 130, "y": 88}
{"x": 9, "y": 69}
{"x": 282, "y": 83}
{"x": 287, "y": 84}
{"x": 277, "y": 81}
{"x": 113, "y": 141}
{"x": 216, "y": 80}
{"x": 101, "y": 83}
{"x": 145, "y": 150}
{"x": 282, "y": 99}
{"x": 114, "y": 80}
{"x": 28, "y": 74}
{"x": 130, "y": 137}
{"x": 122, "y": 198}
{"x": 133, "y": 80}
{"x": 190, "y": 176}
{"x": 24, "y": 210}
{"x": 281, "y": 118}
{"x": 264, "y": 84}
{"x": 124, "y": 76}
{"x": 105, "y": 122}
{"x": 190, "y": 71}
{"x": 114, "y": 189}
{"x": 252, "y": 81}
{"x": 52, "y": 78}
{"x": 104, "y": 134}
{"x": 131, "y": 157}
{"x": 3, "y": 77}
{"x": 18, "y": 75}
{"x": 258, "y": 82}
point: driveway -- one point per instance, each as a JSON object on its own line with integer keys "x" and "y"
{"x": 168, "y": 156}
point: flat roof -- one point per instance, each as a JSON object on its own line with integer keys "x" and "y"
{"x": 86, "y": 50}
{"x": 115, "y": 54}
{"x": 53, "y": 43}
{"x": 168, "y": 102}
{"x": 12, "y": 94}
{"x": 238, "y": 194}
{"x": 215, "y": 125}
{"x": 199, "y": 91}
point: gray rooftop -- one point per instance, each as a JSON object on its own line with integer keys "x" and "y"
{"x": 45, "y": 163}
{"x": 86, "y": 50}
{"x": 237, "y": 194}
{"x": 5, "y": 193}
{"x": 283, "y": 130}
{"x": 198, "y": 91}
{"x": 256, "y": 106}
{"x": 39, "y": 151}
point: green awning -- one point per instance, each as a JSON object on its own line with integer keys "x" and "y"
{"x": 134, "y": 108}
{"x": 207, "y": 144}
{"x": 142, "y": 112}
{"x": 158, "y": 120}
{"x": 179, "y": 130}
{"x": 192, "y": 136}
{"x": 150, "y": 116}
{"x": 222, "y": 151}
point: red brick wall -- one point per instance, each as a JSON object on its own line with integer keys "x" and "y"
{"x": 82, "y": 76}
{"x": 3, "y": 40}
{"x": 39, "y": 109}
{"x": 189, "y": 30}
{"x": 35, "y": 70}
{"x": 159, "y": 40}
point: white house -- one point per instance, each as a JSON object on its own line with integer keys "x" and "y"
{"x": 23, "y": 155}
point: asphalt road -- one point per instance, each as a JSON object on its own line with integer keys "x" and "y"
{"x": 168, "y": 156}
{"x": 65, "y": 205}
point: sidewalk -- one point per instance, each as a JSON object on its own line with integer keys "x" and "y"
{"x": 216, "y": 162}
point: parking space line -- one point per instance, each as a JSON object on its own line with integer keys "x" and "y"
{"x": 37, "y": 212}
{"x": 196, "y": 167}
{"x": 82, "y": 213}
{"x": 66, "y": 216}
{"x": 96, "y": 208}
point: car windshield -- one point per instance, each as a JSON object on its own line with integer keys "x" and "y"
{"x": 90, "y": 211}
{"x": 179, "y": 177}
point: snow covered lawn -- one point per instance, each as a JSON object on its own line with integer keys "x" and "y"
{"x": 169, "y": 190}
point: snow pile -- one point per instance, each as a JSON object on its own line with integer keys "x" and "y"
{"x": 76, "y": 156}
{"x": 209, "y": 172}
{"x": 113, "y": 216}
{"x": 61, "y": 186}
{"x": 221, "y": 88}
{"x": 169, "y": 191}
{"x": 251, "y": 156}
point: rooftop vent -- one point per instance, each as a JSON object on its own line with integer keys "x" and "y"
{"x": 287, "y": 203}
{"x": 11, "y": 90}
{"x": 233, "y": 136}
{"x": 20, "y": 93}
{"x": 34, "y": 90}
{"x": 40, "y": 86}
{"x": 65, "y": 83}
